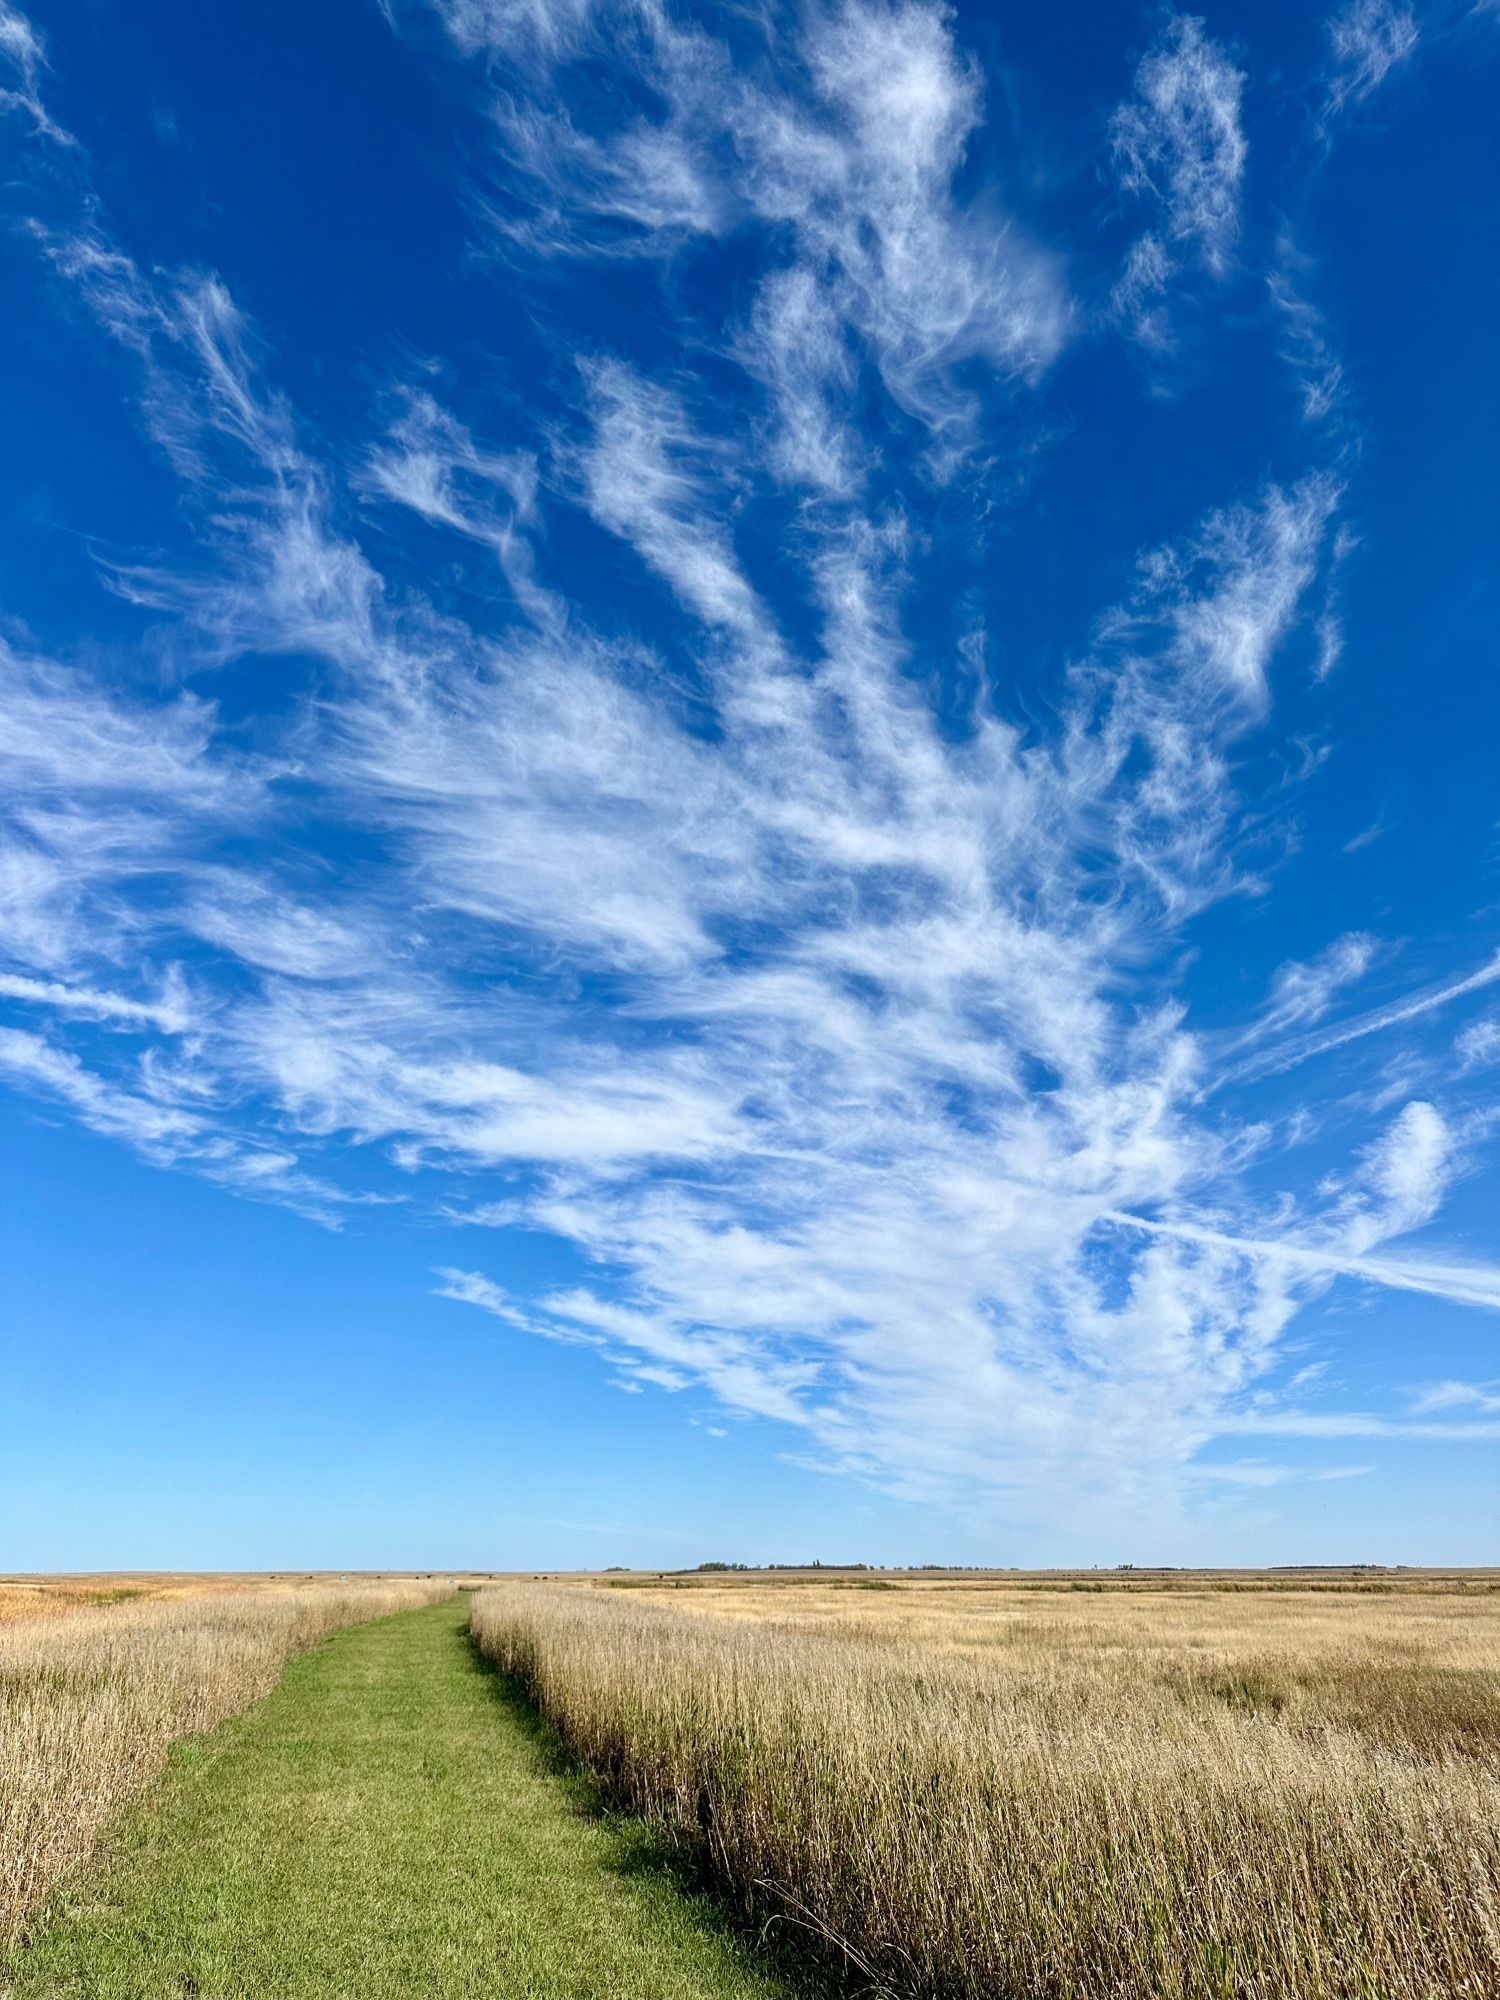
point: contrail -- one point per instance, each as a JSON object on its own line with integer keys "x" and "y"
{"x": 1470, "y": 1285}
{"x": 1292, "y": 1053}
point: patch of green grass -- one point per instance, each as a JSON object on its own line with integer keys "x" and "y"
{"x": 391, "y": 1821}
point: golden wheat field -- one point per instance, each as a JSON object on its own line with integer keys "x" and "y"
{"x": 98, "y": 1676}
{"x": 1268, "y": 1788}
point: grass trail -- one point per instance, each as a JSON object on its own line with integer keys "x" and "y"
{"x": 387, "y": 1822}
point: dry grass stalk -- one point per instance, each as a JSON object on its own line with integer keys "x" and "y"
{"x": 91, "y": 1698}
{"x": 1189, "y": 1797}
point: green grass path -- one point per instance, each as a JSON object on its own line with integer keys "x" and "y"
{"x": 387, "y": 1822}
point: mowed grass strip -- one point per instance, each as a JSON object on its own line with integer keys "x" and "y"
{"x": 388, "y": 1821}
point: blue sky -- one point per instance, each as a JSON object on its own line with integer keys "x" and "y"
{"x": 748, "y": 783}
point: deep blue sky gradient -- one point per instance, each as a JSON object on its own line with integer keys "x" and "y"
{"x": 202, "y": 1372}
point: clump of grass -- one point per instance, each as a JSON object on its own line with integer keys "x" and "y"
{"x": 91, "y": 1700}
{"x": 1072, "y": 1810}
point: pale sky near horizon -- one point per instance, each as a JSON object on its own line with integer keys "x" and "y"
{"x": 747, "y": 783}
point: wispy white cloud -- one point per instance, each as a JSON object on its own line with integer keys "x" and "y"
{"x": 166, "y": 1114}
{"x": 1306, "y": 346}
{"x": 1179, "y": 139}
{"x": 1257, "y": 1473}
{"x": 23, "y": 60}
{"x": 921, "y": 1294}
{"x": 171, "y": 1013}
{"x": 647, "y": 473}
{"x": 1366, "y": 41}
{"x": 276, "y": 574}
{"x": 1478, "y": 1047}
{"x": 1179, "y": 142}
{"x": 102, "y": 790}
{"x": 472, "y": 1288}
{"x": 101, "y": 1105}
{"x": 1483, "y": 1398}
{"x": 1303, "y": 992}
{"x": 1357, "y": 1424}
{"x": 1366, "y": 837}
{"x": 796, "y": 344}
{"x": 847, "y": 141}
{"x": 832, "y": 1249}
{"x": 1140, "y": 292}
{"x": 430, "y": 463}
{"x": 528, "y": 30}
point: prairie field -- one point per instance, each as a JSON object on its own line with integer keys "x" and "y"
{"x": 1211, "y": 1787}
{"x": 99, "y": 1676}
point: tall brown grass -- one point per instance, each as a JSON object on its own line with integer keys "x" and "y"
{"x": 1191, "y": 1795}
{"x": 91, "y": 1697}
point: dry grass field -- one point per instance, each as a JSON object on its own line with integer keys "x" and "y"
{"x": 1280, "y": 1785}
{"x": 98, "y": 1676}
